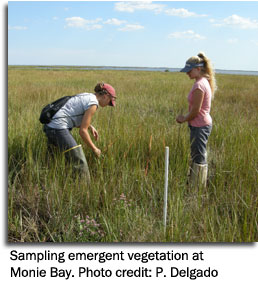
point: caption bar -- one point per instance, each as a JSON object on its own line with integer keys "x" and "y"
{"x": 146, "y": 264}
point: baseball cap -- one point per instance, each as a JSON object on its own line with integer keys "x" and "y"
{"x": 111, "y": 92}
{"x": 189, "y": 66}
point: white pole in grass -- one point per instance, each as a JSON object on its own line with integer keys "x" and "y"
{"x": 166, "y": 187}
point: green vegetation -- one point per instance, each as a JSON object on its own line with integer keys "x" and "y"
{"x": 125, "y": 200}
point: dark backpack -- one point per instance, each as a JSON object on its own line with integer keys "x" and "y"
{"x": 51, "y": 109}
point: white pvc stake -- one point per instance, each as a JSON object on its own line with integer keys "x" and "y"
{"x": 166, "y": 187}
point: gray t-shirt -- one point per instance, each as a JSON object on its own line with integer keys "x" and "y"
{"x": 71, "y": 114}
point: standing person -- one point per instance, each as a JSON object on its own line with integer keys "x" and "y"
{"x": 199, "y": 120}
{"x": 78, "y": 112}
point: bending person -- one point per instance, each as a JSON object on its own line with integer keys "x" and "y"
{"x": 199, "y": 120}
{"x": 78, "y": 112}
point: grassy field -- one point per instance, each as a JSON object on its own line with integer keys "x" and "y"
{"x": 125, "y": 200}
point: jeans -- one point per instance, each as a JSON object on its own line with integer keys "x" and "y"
{"x": 63, "y": 140}
{"x": 198, "y": 139}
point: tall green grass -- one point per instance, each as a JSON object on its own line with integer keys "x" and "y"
{"x": 124, "y": 203}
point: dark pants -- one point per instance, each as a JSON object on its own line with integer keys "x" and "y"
{"x": 198, "y": 139}
{"x": 63, "y": 140}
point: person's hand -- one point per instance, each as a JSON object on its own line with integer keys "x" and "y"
{"x": 180, "y": 118}
{"x": 97, "y": 152}
{"x": 94, "y": 133}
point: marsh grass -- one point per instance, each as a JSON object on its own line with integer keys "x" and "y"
{"x": 47, "y": 203}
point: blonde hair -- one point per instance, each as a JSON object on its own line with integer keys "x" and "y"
{"x": 206, "y": 70}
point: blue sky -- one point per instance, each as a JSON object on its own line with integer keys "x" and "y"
{"x": 143, "y": 34}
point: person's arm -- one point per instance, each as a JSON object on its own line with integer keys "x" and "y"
{"x": 94, "y": 132}
{"x": 196, "y": 107}
{"x": 85, "y": 125}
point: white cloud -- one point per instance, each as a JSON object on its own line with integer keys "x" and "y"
{"x": 232, "y": 40}
{"x": 17, "y": 28}
{"x": 186, "y": 35}
{"x": 55, "y": 18}
{"x": 78, "y": 22}
{"x": 236, "y": 21}
{"x": 141, "y": 5}
{"x": 114, "y": 22}
{"x": 255, "y": 42}
{"x": 130, "y": 27}
{"x": 183, "y": 13}
{"x": 157, "y": 8}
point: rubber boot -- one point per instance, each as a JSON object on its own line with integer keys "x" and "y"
{"x": 76, "y": 156}
{"x": 198, "y": 175}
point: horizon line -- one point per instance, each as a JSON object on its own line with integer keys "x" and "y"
{"x": 107, "y": 66}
